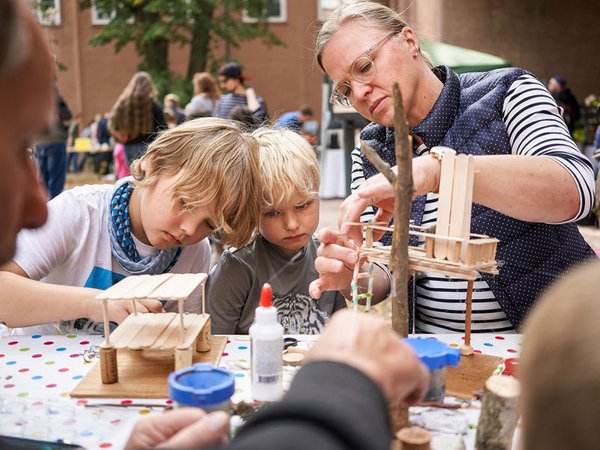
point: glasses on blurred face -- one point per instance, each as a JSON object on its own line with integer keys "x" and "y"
{"x": 362, "y": 71}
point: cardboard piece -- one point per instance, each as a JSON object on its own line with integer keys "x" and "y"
{"x": 470, "y": 375}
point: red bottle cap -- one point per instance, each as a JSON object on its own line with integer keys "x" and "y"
{"x": 511, "y": 366}
{"x": 266, "y": 296}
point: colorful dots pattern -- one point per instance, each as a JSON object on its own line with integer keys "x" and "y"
{"x": 51, "y": 366}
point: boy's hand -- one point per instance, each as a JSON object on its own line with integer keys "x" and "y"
{"x": 335, "y": 262}
{"x": 368, "y": 344}
{"x": 118, "y": 310}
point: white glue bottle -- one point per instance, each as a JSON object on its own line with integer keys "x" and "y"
{"x": 266, "y": 335}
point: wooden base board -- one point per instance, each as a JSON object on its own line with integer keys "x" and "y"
{"x": 470, "y": 375}
{"x": 141, "y": 377}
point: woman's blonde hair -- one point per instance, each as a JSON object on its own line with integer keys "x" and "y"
{"x": 205, "y": 83}
{"x": 288, "y": 167}
{"x": 375, "y": 14}
{"x": 132, "y": 112}
{"x": 220, "y": 166}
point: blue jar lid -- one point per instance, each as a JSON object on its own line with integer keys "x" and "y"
{"x": 433, "y": 353}
{"x": 201, "y": 385}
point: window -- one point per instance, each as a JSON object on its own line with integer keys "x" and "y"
{"x": 272, "y": 10}
{"x": 48, "y": 11}
{"x": 101, "y": 16}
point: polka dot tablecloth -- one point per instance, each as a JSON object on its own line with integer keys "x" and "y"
{"x": 37, "y": 373}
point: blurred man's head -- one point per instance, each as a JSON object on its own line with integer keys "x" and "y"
{"x": 556, "y": 84}
{"x": 26, "y": 75}
{"x": 306, "y": 113}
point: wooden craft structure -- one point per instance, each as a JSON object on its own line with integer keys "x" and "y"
{"x": 449, "y": 249}
{"x": 179, "y": 334}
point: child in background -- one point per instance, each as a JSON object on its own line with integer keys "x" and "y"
{"x": 283, "y": 252}
{"x": 153, "y": 223}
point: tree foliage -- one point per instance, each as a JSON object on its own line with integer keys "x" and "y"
{"x": 151, "y": 25}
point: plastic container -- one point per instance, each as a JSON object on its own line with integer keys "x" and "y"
{"x": 202, "y": 385}
{"x": 266, "y": 348}
{"x": 437, "y": 356}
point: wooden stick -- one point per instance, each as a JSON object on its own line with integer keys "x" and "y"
{"x": 106, "y": 322}
{"x": 181, "y": 324}
{"x": 466, "y": 349}
{"x": 404, "y": 190}
{"x": 379, "y": 163}
{"x": 109, "y": 372}
{"x": 499, "y": 413}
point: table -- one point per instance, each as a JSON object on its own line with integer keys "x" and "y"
{"x": 38, "y": 372}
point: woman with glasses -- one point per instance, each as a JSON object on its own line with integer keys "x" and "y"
{"x": 531, "y": 181}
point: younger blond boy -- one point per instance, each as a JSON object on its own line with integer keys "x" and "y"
{"x": 284, "y": 250}
{"x": 195, "y": 179}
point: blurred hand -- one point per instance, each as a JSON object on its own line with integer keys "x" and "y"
{"x": 185, "y": 428}
{"x": 368, "y": 344}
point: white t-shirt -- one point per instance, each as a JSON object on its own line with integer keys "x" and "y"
{"x": 73, "y": 248}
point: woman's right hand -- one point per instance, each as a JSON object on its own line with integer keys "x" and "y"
{"x": 335, "y": 261}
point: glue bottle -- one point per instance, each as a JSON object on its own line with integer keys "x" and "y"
{"x": 266, "y": 335}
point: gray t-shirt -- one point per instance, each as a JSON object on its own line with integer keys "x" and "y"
{"x": 234, "y": 285}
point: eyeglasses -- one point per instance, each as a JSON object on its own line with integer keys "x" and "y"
{"x": 363, "y": 71}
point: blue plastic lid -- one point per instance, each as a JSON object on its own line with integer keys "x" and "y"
{"x": 200, "y": 385}
{"x": 433, "y": 353}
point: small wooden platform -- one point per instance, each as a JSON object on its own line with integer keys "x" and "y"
{"x": 157, "y": 331}
{"x": 141, "y": 376}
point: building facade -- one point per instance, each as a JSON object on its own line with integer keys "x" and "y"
{"x": 546, "y": 37}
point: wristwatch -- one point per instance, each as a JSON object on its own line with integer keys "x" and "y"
{"x": 438, "y": 152}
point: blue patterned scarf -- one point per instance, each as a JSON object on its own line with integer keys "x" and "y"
{"x": 121, "y": 240}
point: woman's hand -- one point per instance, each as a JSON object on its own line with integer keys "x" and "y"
{"x": 378, "y": 191}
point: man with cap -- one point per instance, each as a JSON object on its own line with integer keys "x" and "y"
{"x": 564, "y": 98}
{"x": 236, "y": 94}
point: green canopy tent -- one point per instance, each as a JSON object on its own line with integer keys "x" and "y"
{"x": 462, "y": 59}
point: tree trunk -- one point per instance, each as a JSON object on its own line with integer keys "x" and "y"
{"x": 200, "y": 39}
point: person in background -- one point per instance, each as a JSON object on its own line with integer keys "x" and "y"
{"x": 51, "y": 148}
{"x": 231, "y": 81}
{"x": 172, "y": 103}
{"x": 243, "y": 115}
{"x": 170, "y": 118}
{"x": 137, "y": 117}
{"x": 206, "y": 94}
{"x": 284, "y": 250}
{"x": 566, "y": 100}
{"x": 73, "y": 134}
{"x": 103, "y": 158}
{"x": 531, "y": 181}
{"x": 295, "y": 120}
{"x": 376, "y": 366}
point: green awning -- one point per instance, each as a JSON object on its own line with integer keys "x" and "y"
{"x": 462, "y": 59}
